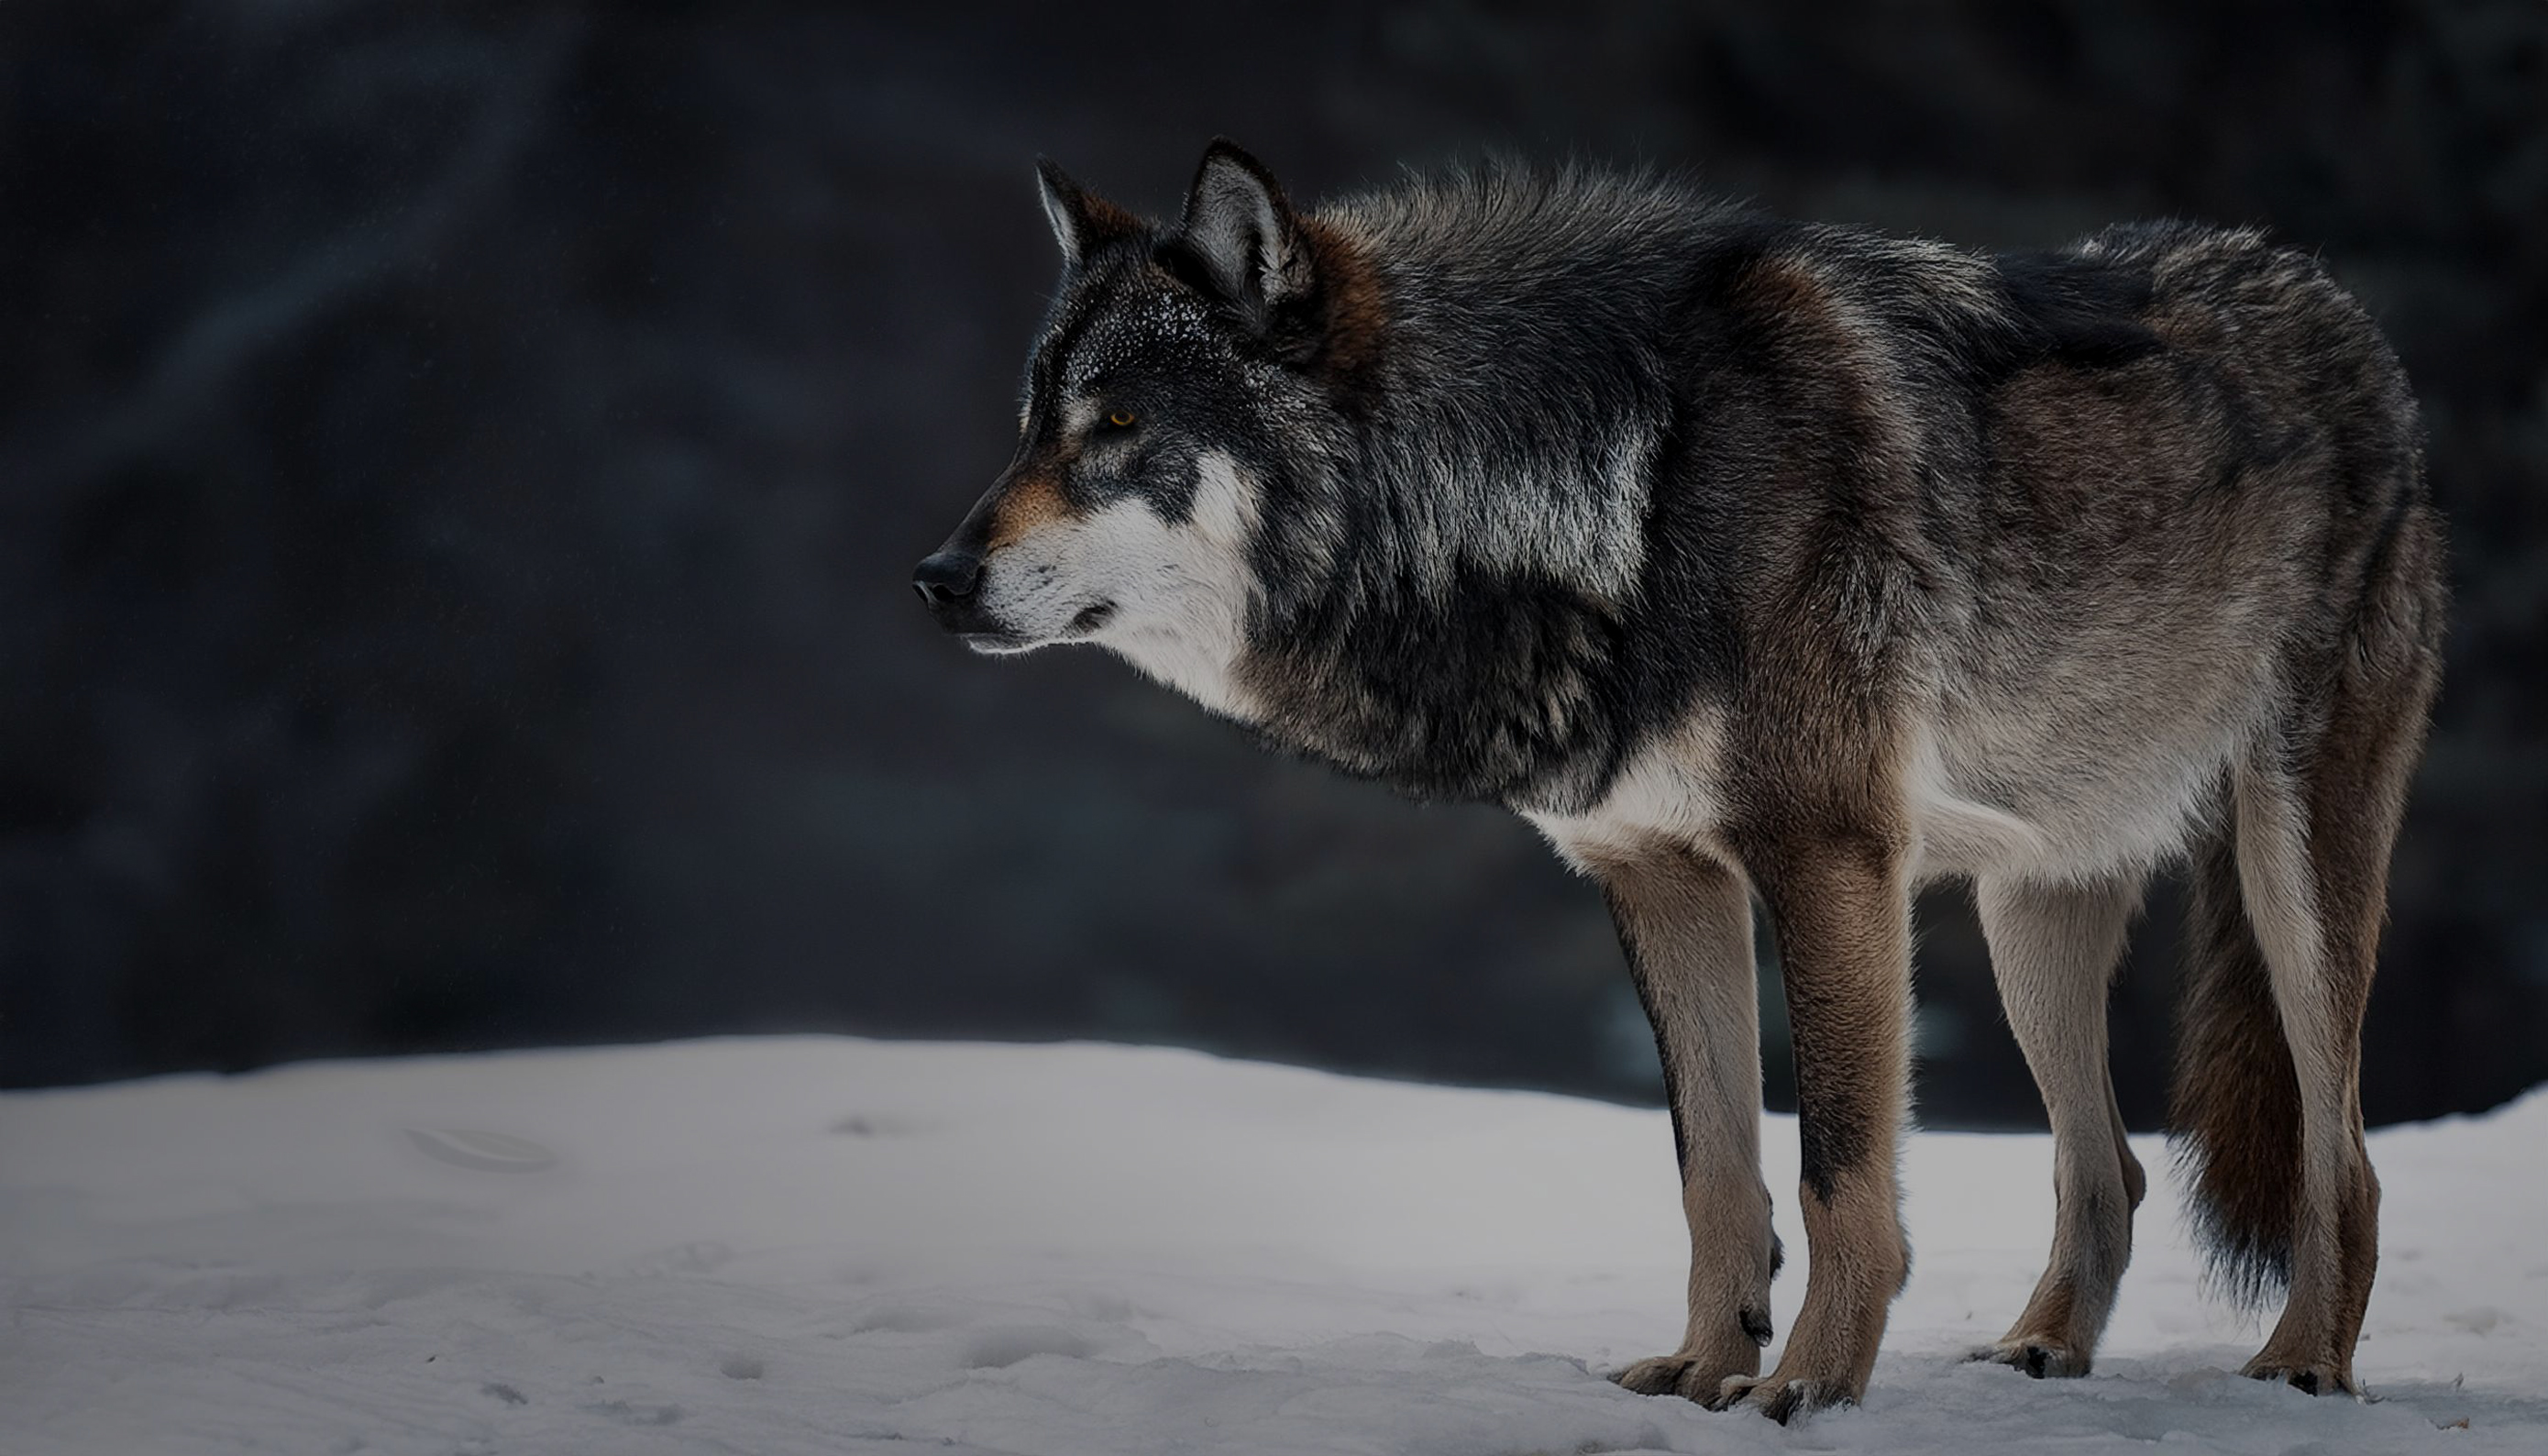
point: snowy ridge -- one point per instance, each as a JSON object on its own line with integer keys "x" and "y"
{"x": 825, "y": 1245}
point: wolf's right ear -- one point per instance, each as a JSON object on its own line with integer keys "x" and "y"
{"x": 1240, "y": 227}
{"x": 1082, "y": 222}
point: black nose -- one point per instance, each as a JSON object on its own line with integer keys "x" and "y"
{"x": 946, "y": 578}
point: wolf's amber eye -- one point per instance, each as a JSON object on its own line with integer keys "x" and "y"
{"x": 1121, "y": 419}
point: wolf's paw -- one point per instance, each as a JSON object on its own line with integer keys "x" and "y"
{"x": 2310, "y": 1377}
{"x": 1781, "y": 1398}
{"x": 1691, "y": 1377}
{"x": 2041, "y": 1358}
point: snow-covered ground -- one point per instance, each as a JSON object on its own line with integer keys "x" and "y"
{"x": 829, "y": 1246}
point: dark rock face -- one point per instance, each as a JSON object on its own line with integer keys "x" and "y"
{"x": 459, "y": 470}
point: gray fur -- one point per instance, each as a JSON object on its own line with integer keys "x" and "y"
{"x": 1830, "y": 562}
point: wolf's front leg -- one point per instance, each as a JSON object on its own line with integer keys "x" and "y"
{"x": 1843, "y": 916}
{"x": 1685, "y": 922}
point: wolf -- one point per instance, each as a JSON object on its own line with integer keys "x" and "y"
{"x": 1759, "y": 561}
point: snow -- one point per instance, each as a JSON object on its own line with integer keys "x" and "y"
{"x": 832, "y": 1246}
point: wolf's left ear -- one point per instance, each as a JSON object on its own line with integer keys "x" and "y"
{"x": 1082, "y": 222}
{"x": 1242, "y": 231}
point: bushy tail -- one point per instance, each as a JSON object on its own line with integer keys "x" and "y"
{"x": 2234, "y": 1104}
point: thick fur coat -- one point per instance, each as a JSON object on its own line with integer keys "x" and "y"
{"x": 1757, "y": 561}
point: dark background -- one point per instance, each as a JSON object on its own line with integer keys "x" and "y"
{"x": 460, "y": 469}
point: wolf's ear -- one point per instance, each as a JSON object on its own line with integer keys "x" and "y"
{"x": 1242, "y": 231}
{"x": 1082, "y": 222}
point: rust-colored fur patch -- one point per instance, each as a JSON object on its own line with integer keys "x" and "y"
{"x": 1031, "y": 501}
{"x": 1356, "y": 315}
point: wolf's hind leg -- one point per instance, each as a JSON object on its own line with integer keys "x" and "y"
{"x": 1685, "y": 922}
{"x": 2319, "y": 984}
{"x": 2314, "y": 835}
{"x": 2052, "y": 951}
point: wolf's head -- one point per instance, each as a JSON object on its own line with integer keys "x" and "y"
{"x": 1181, "y": 372}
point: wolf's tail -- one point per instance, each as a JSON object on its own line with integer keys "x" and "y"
{"x": 2234, "y": 1104}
